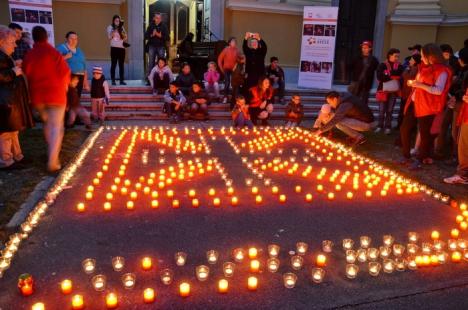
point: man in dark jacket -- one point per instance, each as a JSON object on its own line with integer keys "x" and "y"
{"x": 351, "y": 116}
{"x": 15, "y": 114}
{"x": 362, "y": 72}
{"x": 276, "y": 75}
{"x": 255, "y": 53}
{"x": 157, "y": 36}
{"x": 22, "y": 47}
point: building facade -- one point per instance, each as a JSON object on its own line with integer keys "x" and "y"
{"x": 388, "y": 23}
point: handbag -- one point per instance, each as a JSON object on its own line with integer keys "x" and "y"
{"x": 381, "y": 96}
{"x": 392, "y": 85}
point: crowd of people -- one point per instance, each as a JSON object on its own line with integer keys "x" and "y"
{"x": 430, "y": 85}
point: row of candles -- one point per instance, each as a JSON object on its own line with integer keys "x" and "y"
{"x": 35, "y": 216}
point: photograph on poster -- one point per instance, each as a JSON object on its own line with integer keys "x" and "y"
{"x": 308, "y": 30}
{"x": 319, "y": 30}
{"x": 45, "y": 17}
{"x": 32, "y": 16}
{"x": 330, "y": 30}
{"x": 305, "y": 66}
{"x": 18, "y": 15}
{"x": 327, "y": 67}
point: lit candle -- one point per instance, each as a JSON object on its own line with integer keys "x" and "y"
{"x": 374, "y": 268}
{"x": 388, "y": 265}
{"x": 348, "y": 244}
{"x": 388, "y": 240}
{"x": 327, "y": 246}
{"x": 308, "y": 197}
{"x": 455, "y": 233}
{"x": 296, "y": 262}
{"x": 365, "y": 242}
{"x": 350, "y": 256}
{"x": 275, "y": 189}
{"x": 351, "y": 271}
{"x": 456, "y": 257}
{"x": 80, "y": 207}
{"x": 77, "y": 302}
{"x": 223, "y": 285}
{"x": 202, "y": 272}
{"x": 66, "y": 286}
{"x": 130, "y": 205}
{"x": 228, "y": 269}
{"x": 301, "y": 248}
{"x": 148, "y": 295}
{"x": 107, "y": 206}
{"x": 175, "y": 204}
{"x": 273, "y": 264}
{"x": 99, "y": 282}
{"x": 317, "y": 275}
{"x": 216, "y": 202}
{"x": 180, "y": 258}
{"x": 128, "y": 280}
{"x": 258, "y": 199}
{"x": 254, "y": 265}
{"x": 146, "y": 263}
{"x": 349, "y": 195}
{"x": 118, "y": 263}
{"x": 154, "y": 204}
{"x": 212, "y": 256}
{"x": 253, "y": 252}
{"x": 166, "y": 276}
{"x": 252, "y": 283}
{"x": 112, "y": 301}
{"x": 38, "y": 306}
{"x": 273, "y": 250}
{"x": 282, "y": 198}
{"x": 289, "y": 280}
{"x": 238, "y": 255}
{"x": 89, "y": 265}
{"x": 372, "y": 254}
{"x": 413, "y": 237}
{"x": 321, "y": 260}
{"x": 184, "y": 289}
{"x": 435, "y": 235}
{"x": 398, "y": 250}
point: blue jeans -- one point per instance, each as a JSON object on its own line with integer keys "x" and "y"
{"x": 386, "y": 111}
{"x": 227, "y": 81}
{"x": 154, "y": 53}
{"x": 241, "y": 121}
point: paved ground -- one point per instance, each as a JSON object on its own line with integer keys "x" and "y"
{"x": 64, "y": 238}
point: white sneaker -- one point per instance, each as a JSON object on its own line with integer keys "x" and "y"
{"x": 455, "y": 179}
{"x": 388, "y": 131}
{"x": 377, "y": 130}
{"x": 414, "y": 151}
{"x": 225, "y": 99}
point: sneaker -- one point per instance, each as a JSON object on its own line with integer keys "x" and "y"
{"x": 148, "y": 83}
{"x": 415, "y": 165}
{"x": 225, "y": 99}
{"x": 377, "y": 130}
{"x": 282, "y": 101}
{"x": 456, "y": 179}
{"x": 113, "y": 83}
{"x": 414, "y": 151}
{"x": 123, "y": 83}
{"x": 359, "y": 141}
{"x": 388, "y": 131}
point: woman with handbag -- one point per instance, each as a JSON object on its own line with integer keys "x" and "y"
{"x": 117, "y": 37}
{"x": 389, "y": 76}
{"x": 427, "y": 99}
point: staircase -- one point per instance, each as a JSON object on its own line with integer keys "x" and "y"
{"x": 137, "y": 102}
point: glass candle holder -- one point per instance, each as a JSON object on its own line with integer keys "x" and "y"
{"x": 426, "y": 248}
{"x": 146, "y": 263}
{"x": 99, "y": 282}
{"x": 372, "y": 254}
{"x": 350, "y": 256}
{"x": 128, "y": 281}
{"x": 388, "y": 240}
{"x": 442, "y": 257}
{"x": 228, "y": 269}
{"x": 297, "y": 262}
{"x": 348, "y": 244}
{"x": 365, "y": 241}
{"x": 413, "y": 237}
{"x": 254, "y": 265}
{"x": 362, "y": 255}
{"x": 252, "y": 283}
{"x": 180, "y": 258}
{"x": 289, "y": 280}
{"x": 202, "y": 272}
{"x": 388, "y": 265}
{"x": 273, "y": 250}
{"x": 118, "y": 263}
{"x": 351, "y": 271}
{"x": 400, "y": 264}
{"x": 321, "y": 260}
{"x": 148, "y": 295}
{"x": 411, "y": 263}
{"x": 301, "y": 248}
{"x": 212, "y": 257}
{"x": 317, "y": 275}
{"x": 238, "y": 255}
{"x": 385, "y": 251}
{"x": 374, "y": 268}
{"x": 184, "y": 289}
{"x": 166, "y": 276}
{"x": 462, "y": 244}
{"x": 66, "y": 286}
{"x": 412, "y": 248}
{"x": 89, "y": 265}
{"x": 253, "y": 252}
{"x": 273, "y": 265}
{"x": 223, "y": 286}
{"x": 398, "y": 250}
{"x": 327, "y": 246}
{"x": 439, "y": 245}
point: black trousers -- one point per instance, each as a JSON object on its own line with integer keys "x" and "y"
{"x": 117, "y": 56}
{"x": 424, "y": 124}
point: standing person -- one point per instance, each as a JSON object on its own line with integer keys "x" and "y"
{"x": 160, "y": 76}
{"x": 238, "y": 79}
{"x": 362, "y": 72}
{"x": 352, "y": 117}
{"x": 74, "y": 106}
{"x": 276, "y": 75}
{"x": 461, "y": 176}
{"x": 185, "y": 48}
{"x": 157, "y": 36}
{"x": 15, "y": 114}
{"x": 409, "y": 73}
{"x": 255, "y": 50}
{"x": 427, "y": 99}
{"x": 261, "y": 101}
{"x": 227, "y": 60}
{"x": 22, "y": 46}
{"x": 76, "y": 59}
{"x": 117, "y": 37}
{"x": 294, "y": 112}
{"x": 388, "y": 73}
{"x": 450, "y": 58}
{"x": 174, "y": 103}
{"x": 48, "y": 76}
{"x": 100, "y": 95}
{"x": 414, "y": 50}
{"x": 185, "y": 79}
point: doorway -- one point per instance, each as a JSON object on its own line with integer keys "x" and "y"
{"x": 356, "y": 21}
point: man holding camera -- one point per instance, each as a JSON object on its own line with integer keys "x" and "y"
{"x": 156, "y": 35}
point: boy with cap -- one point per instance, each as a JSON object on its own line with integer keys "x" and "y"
{"x": 100, "y": 95}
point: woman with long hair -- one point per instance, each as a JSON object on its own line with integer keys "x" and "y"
{"x": 428, "y": 98}
{"x": 117, "y": 37}
{"x": 260, "y": 104}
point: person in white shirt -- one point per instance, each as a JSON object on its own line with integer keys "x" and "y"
{"x": 117, "y": 37}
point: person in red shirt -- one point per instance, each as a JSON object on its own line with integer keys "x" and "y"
{"x": 260, "y": 104}
{"x": 227, "y": 60}
{"x": 48, "y": 77}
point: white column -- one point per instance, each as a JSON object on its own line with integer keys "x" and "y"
{"x": 379, "y": 27}
{"x": 135, "y": 67}
{"x": 217, "y": 19}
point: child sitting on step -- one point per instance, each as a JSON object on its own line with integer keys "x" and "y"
{"x": 74, "y": 106}
{"x": 294, "y": 112}
{"x": 160, "y": 76}
{"x": 211, "y": 81}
